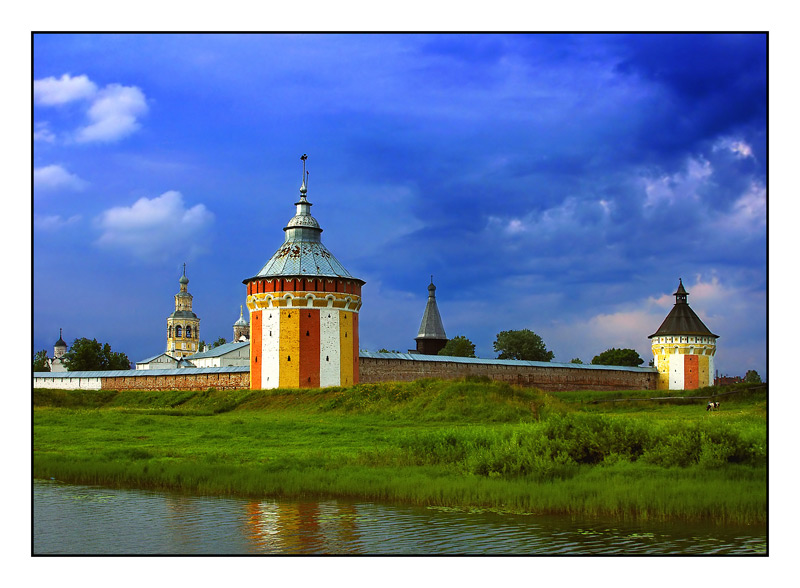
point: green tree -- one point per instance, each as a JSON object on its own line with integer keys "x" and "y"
{"x": 458, "y": 346}
{"x": 613, "y": 356}
{"x": 384, "y": 350}
{"x": 575, "y": 360}
{"x": 218, "y": 342}
{"x": 40, "y": 361}
{"x": 522, "y": 344}
{"x": 752, "y": 377}
{"x": 93, "y": 356}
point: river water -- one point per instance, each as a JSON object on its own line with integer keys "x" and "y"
{"x": 70, "y": 519}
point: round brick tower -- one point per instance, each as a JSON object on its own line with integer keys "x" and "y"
{"x": 683, "y": 348}
{"x": 303, "y": 311}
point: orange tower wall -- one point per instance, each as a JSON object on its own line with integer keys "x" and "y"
{"x": 255, "y": 349}
{"x": 691, "y": 372}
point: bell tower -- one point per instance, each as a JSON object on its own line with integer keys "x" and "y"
{"x": 183, "y": 326}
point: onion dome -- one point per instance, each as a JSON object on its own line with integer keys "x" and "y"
{"x": 184, "y": 280}
{"x": 60, "y": 342}
{"x": 302, "y": 253}
{"x": 183, "y": 300}
{"x": 431, "y": 326}
{"x": 241, "y": 322}
{"x": 682, "y": 320}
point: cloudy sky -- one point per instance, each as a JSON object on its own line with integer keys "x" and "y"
{"x": 561, "y": 183}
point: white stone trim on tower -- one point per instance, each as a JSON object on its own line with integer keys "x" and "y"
{"x": 270, "y": 347}
{"x": 329, "y": 353}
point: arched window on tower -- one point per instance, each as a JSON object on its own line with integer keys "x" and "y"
{"x": 188, "y": 331}
{"x": 170, "y": 332}
{"x": 178, "y": 331}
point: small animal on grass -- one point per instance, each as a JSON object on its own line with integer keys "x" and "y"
{"x": 712, "y": 406}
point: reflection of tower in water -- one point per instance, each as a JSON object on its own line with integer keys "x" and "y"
{"x": 302, "y": 527}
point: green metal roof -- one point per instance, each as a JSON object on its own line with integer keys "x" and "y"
{"x": 220, "y": 350}
{"x": 508, "y": 362}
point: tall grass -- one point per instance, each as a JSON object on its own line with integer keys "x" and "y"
{"x": 461, "y": 443}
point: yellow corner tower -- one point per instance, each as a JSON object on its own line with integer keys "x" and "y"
{"x": 683, "y": 348}
{"x": 183, "y": 326}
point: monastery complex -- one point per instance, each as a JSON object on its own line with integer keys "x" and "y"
{"x": 303, "y": 307}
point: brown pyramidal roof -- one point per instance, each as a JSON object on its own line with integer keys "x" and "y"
{"x": 682, "y": 320}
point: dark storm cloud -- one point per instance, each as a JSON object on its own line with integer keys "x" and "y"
{"x": 577, "y": 174}
{"x": 713, "y": 84}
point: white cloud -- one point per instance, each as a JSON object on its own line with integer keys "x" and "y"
{"x": 54, "y": 177}
{"x": 749, "y": 212}
{"x": 113, "y": 114}
{"x": 679, "y": 186}
{"x": 568, "y": 218}
{"x": 53, "y": 222}
{"x": 736, "y": 146}
{"x": 42, "y": 132}
{"x": 54, "y": 91}
{"x": 113, "y": 111}
{"x": 156, "y": 228}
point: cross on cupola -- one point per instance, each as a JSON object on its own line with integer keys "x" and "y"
{"x": 304, "y": 185}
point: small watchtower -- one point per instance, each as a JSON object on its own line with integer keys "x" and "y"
{"x": 431, "y": 337}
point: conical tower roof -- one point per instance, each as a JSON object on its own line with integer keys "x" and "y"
{"x": 302, "y": 253}
{"x": 682, "y": 320}
{"x": 431, "y": 326}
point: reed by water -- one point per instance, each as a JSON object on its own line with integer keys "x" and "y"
{"x": 468, "y": 444}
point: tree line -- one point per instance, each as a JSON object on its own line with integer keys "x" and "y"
{"x": 89, "y": 355}
{"x": 85, "y": 355}
{"x": 524, "y": 344}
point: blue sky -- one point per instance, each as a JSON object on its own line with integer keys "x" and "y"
{"x": 561, "y": 183}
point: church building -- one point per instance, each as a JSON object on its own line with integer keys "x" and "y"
{"x": 59, "y": 349}
{"x": 683, "y": 348}
{"x": 303, "y": 311}
{"x": 241, "y": 330}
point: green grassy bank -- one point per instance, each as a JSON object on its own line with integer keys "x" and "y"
{"x": 430, "y": 442}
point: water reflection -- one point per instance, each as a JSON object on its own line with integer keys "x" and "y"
{"x": 304, "y": 527}
{"x": 89, "y": 520}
